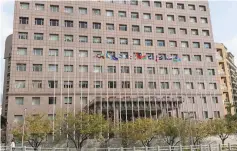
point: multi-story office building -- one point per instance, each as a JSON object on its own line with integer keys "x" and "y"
{"x": 228, "y": 74}
{"x": 125, "y": 59}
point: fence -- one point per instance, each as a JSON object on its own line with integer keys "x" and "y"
{"x": 211, "y": 147}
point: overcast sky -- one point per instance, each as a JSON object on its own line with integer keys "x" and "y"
{"x": 223, "y": 16}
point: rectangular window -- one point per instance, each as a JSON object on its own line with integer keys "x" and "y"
{"x": 83, "y": 39}
{"x": 68, "y": 84}
{"x": 146, "y": 3}
{"x": 202, "y": 8}
{"x": 187, "y": 71}
{"x": 18, "y": 118}
{"x": 163, "y": 70}
{"x": 82, "y": 11}
{"x": 19, "y": 84}
{"x": 197, "y": 58}
{"x": 191, "y": 100}
{"x": 83, "y": 53}
{"x": 204, "y": 20}
{"x": 110, "y": 26}
{"x": 37, "y": 84}
{"x": 112, "y": 84}
{"x": 23, "y": 35}
{"x": 182, "y": 19}
{"x": 183, "y": 31}
{"x": 122, "y": 27}
{"x": 96, "y": 25}
{"x": 35, "y": 100}
{"x": 54, "y": 8}
{"x": 152, "y": 85}
{"x": 20, "y": 67}
{"x": 215, "y": 100}
{"x": 135, "y": 28}
{"x": 96, "y": 39}
{"x": 111, "y": 69}
{"x": 216, "y": 114}
{"x": 39, "y": 7}
{"x": 126, "y": 84}
{"x": 68, "y": 68}
{"x": 52, "y": 84}
{"x": 122, "y": 14}
{"x": 134, "y": 2}
{"x": 53, "y": 52}
{"x": 164, "y": 85}
{"x": 204, "y": 99}
{"x": 186, "y": 57}
{"x": 54, "y": 22}
{"x": 53, "y": 67}
{"x": 157, "y": 4}
{"x": 196, "y": 44}
{"x": 138, "y": 84}
{"x": 37, "y": 67}
{"x": 171, "y": 31}
{"x": 180, "y": 6}
{"x": 83, "y": 84}
{"x": 96, "y": 11}
{"x": 199, "y": 71}
{"x": 98, "y": 84}
{"x": 205, "y": 114}
{"x": 54, "y": 37}
{"x": 175, "y": 71}
{"x": 67, "y": 100}
{"x": 38, "y": 51}
{"x": 169, "y": 5}
{"x": 205, "y": 33}
{"x": 24, "y": 20}
{"x": 97, "y": 69}
{"x": 123, "y": 41}
{"x": 170, "y": 17}
{"x": 209, "y": 59}
{"x": 159, "y": 16}
{"x": 191, "y": 7}
{"x": 193, "y": 19}
{"x": 201, "y": 85}
{"x": 176, "y": 85}
{"x": 159, "y": 29}
{"x": 82, "y": 24}
{"x": 68, "y": 23}
{"x": 160, "y": 43}
{"x": 138, "y": 70}
{"x": 83, "y": 68}
{"x": 124, "y": 55}
{"x": 146, "y": 16}
{"x": 147, "y": 29}
{"x": 68, "y": 53}
{"x": 24, "y": 5}
{"x": 207, "y": 45}
{"x": 21, "y": 51}
{"x": 68, "y": 9}
{"x": 194, "y": 31}
{"x": 124, "y": 69}
{"x": 110, "y": 40}
{"x": 148, "y": 42}
{"x": 134, "y": 15}
{"x": 38, "y": 36}
{"x": 52, "y": 100}
{"x": 19, "y": 100}
{"x": 109, "y": 13}
{"x": 212, "y": 86}
{"x": 173, "y": 43}
{"x": 151, "y": 70}
{"x": 184, "y": 44}
{"x": 189, "y": 85}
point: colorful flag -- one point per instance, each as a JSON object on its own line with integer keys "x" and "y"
{"x": 114, "y": 58}
{"x": 139, "y": 56}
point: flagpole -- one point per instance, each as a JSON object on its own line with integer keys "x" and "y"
{"x": 23, "y": 129}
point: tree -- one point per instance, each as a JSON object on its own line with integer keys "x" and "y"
{"x": 173, "y": 130}
{"x": 80, "y": 127}
{"x": 145, "y": 130}
{"x": 223, "y": 128}
{"x": 36, "y": 128}
{"x": 198, "y": 131}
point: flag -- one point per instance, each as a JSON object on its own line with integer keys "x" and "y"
{"x": 114, "y": 58}
{"x": 157, "y": 58}
{"x": 161, "y": 58}
{"x": 108, "y": 55}
{"x": 143, "y": 57}
{"x": 139, "y": 56}
{"x": 150, "y": 57}
{"x": 120, "y": 55}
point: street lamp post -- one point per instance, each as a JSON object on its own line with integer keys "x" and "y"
{"x": 23, "y": 129}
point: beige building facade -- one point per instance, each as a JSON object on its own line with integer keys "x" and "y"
{"x": 227, "y": 71}
{"x": 168, "y": 64}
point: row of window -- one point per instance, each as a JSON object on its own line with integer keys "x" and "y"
{"x": 113, "y": 84}
{"x": 82, "y": 10}
{"x": 84, "y": 100}
{"x": 84, "y": 53}
{"x": 84, "y": 24}
{"x": 111, "y": 40}
{"x": 112, "y": 69}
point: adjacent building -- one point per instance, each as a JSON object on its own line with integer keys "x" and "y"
{"x": 228, "y": 75}
{"x": 125, "y": 59}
